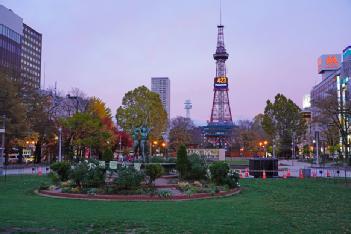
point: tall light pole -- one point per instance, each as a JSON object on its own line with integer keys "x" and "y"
{"x": 2, "y": 149}
{"x": 60, "y": 142}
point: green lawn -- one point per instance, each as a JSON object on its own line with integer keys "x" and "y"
{"x": 270, "y": 206}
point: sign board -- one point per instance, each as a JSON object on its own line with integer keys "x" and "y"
{"x": 113, "y": 165}
{"x": 102, "y": 164}
{"x": 208, "y": 153}
{"x": 221, "y": 83}
{"x": 2, "y": 130}
{"x": 329, "y": 62}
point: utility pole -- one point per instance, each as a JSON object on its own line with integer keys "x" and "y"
{"x": 2, "y": 149}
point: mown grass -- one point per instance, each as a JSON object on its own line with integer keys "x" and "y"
{"x": 263, "y": 206}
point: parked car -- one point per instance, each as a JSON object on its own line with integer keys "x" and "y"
{"x": 12, "y": 158}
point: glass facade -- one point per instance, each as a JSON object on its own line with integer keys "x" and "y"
{"x": 10, "y": 52}
{"x": 31, "y": 57}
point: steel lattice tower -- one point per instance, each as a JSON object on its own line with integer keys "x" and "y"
{"x": 221, "y": 112}
{"x": 219, "y": 130}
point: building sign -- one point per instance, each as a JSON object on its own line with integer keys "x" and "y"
{"x": 221, "y": 82}
{"x": 329, "y": 62}
{"x": 208, "y": 153}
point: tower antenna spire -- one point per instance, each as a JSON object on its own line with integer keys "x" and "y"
{"x": 220, "y": 12}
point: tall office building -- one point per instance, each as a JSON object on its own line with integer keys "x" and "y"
{"x": 161, "y": 85}
{"x": 31, "y": 57}
{"x": 20, "y": 50}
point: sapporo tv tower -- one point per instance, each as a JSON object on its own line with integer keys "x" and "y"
{"x": 219, "y": 129}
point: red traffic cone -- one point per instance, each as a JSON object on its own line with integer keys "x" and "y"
{"x": 264, "y": 175}
{"x": 246, "y": 172}
{"x": 285, "y": 175}
{"x": 288, "y": 173}
{"x": 240, "y": 174}
{"x": 40, "y": 172}
{"x": 328, "y": 173}
{"x": 300, "y": 174}
{"x": 314, "y": 173}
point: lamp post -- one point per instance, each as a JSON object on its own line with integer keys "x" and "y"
{"x": 2, "y": 149}
{"x": 60, "y": 139}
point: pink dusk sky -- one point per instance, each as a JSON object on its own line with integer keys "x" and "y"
{"x": 108, "y": 47}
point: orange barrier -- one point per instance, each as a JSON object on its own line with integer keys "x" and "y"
{"x": 288, "y": 174}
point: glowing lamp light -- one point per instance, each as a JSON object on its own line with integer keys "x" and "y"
{"x": 163, "y": 144}
{"x": 155, "y": 142}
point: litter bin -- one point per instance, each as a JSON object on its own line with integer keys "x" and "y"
{"x": 306, "y": 172}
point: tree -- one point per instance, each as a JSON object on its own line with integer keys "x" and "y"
{"x": 281, "y": 121}
{"x": 333, "y": 119}
{"x": 182, "y": 163}
{"x": 180, "y": 132}
{"x": 142, "y": 107}
{"x": 12, "y": 107}
{"x": 85, "y": 131}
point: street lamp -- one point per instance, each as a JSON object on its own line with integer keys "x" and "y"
{"x": 60, "y": 139}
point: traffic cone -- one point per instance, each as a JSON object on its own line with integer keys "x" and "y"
{"x": 40, "y": 172}
{"x": 240, "y": 174}
{"x": 246, "y": 172}
{"x": 328, "y": 173}
{"x": 264, "y": 175}
{"x": 300, "y": 174}
{"x": 285, "y": 175}
{"x": 288, "y": 174}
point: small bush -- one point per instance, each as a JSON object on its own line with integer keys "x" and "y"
{"x": 197, "y": 168}
{"x": 44, "y": 186}
{"x": 128, "y": 179}
{"x": 87, "y": 174}
{"x": 182, "y": 162}
{"x": 166, "y": 194}
{"x": 157, "y": 160}
{"x": 107, "y": 155}
{"x": 219, "y": 172}
{"x": 55, "y": 178}
{"x": 171, "y": 160}
{"x": 153, "y": 171}
{"x": 62, "y": 169}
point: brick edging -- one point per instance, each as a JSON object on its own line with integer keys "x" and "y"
{"x": 115, "y": 197}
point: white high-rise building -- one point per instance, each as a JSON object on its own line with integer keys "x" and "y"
{"x": 161, "y": 85}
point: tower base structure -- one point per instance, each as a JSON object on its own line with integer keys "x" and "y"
{"x": 218, "y": 135}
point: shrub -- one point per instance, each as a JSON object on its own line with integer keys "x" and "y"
{"x": 62, "y": 169}
{"x": 232, "y": 179}
{"x": 153, "y": 171}
{"x": 88, "y": 174}
{"x": 107, "y": 155}
{"x": 219, "y": 172}
{"x": 54, "y": 177}
{"x": 157, "y": 160}
{"x": 171, "y": 160}
{"x": 197, "y": 168}
{"x": 128, "y": 179}
{"x": 182, "y": 162}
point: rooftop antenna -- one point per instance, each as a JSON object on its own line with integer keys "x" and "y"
{"x": 44, "y": 77}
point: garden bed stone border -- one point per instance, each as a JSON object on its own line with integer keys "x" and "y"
{"x": 116, "y": 197}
